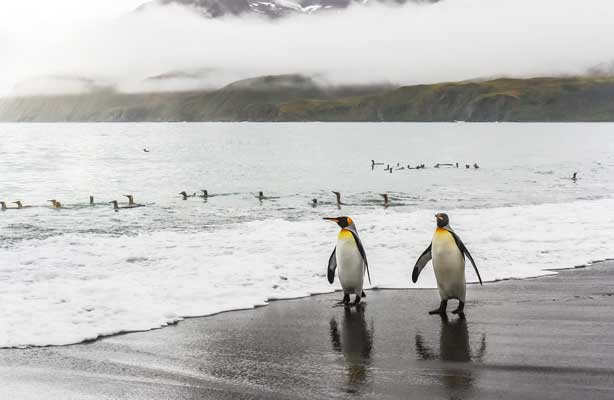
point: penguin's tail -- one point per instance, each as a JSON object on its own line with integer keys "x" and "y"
{"x": 363, "y": 294}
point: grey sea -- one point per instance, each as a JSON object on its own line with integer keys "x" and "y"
{"x": 84, "y": 271}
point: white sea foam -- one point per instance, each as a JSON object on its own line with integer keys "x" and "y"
{"x": 70, "y": 288}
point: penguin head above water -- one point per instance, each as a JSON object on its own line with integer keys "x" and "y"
{"x": 343, "y": 222}
{"x": 442, "y": 219}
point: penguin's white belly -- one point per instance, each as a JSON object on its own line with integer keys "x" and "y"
{"x": 349, "y": 263}
{"x": 449, "y": 266}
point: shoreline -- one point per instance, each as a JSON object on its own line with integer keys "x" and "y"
{"x": 274, "y": 300}
{"x": 536, "y": 338}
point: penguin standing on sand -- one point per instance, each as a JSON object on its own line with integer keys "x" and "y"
{"x": 349, "y": 255}
{"x": 448, "y": 254}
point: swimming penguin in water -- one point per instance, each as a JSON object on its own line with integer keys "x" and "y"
{"x": 574, "y": 177}
{"x": 19, "y": 205}
{"x": 92, "y": 201}
{"x": 314, "y": 202}
{"x": 349, "y": 255}
{"x": 448, "y": 254}
{"x": 338, "y": 196}
{"x": 185, "y": 195}
{"x": 205, "y": 194}
{"x": 373, "y": 164}
{"x": 385, "y": 196}
{"x": 261, "y": 197}
{"x": 131, "y": 203}
{"x": 55, "y": 204}
{"x": 117, "y": 207}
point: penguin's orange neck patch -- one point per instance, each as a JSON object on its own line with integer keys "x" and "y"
{"x": 442, "y": 232}
{"x": 345, "y": 234}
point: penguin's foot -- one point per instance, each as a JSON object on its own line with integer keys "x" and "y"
{"x": 357, "y": 300}
{"x": 346, "y": 299}
{"x": 441, "y": 310}
{"x": 459, "y": 310}
{"x": 363, "y": 294}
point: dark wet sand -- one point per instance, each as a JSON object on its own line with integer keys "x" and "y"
{"x": 545, "y": 338}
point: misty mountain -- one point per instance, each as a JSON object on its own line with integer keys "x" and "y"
{"x": 299, "y": 98}
{"x": 271, "y": 8}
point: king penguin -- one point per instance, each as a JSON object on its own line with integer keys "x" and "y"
{"x": 349, "y": 255}
{"x": 448, "y": 254}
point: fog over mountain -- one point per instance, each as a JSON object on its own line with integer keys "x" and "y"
{"x": 172, "y": 47}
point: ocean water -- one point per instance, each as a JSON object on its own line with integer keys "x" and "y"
{"x": 84, "y": 271}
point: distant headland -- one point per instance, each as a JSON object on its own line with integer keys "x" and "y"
{"x": 284, "y": 98}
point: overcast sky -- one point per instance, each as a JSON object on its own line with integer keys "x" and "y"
{"x": 33, "y": 15}
{"x": 449, "y": 41}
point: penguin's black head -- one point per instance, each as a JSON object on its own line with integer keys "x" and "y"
{"x": 442, "y": 219}
{"x": 341, "y": 221}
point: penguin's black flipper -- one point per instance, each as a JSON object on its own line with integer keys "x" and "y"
{"x": 361, "y": 250}
{"x": 424, "y": 258}
{"x": 464, "y": 251}
{"x": 332, "y": 266}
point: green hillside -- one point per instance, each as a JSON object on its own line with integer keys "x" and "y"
{"x": 297, "y": 98}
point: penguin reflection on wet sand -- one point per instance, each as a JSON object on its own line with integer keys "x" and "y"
{"x": 448, "y": 254}
{"x": 454, "y": 347}
{"x": 349, "y": 255}
{"x": 354, "y": 339}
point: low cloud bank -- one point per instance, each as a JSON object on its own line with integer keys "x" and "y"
{"x": 172, "y": 48}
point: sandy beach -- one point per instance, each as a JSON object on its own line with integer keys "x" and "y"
{"x": 542, "y": 338}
